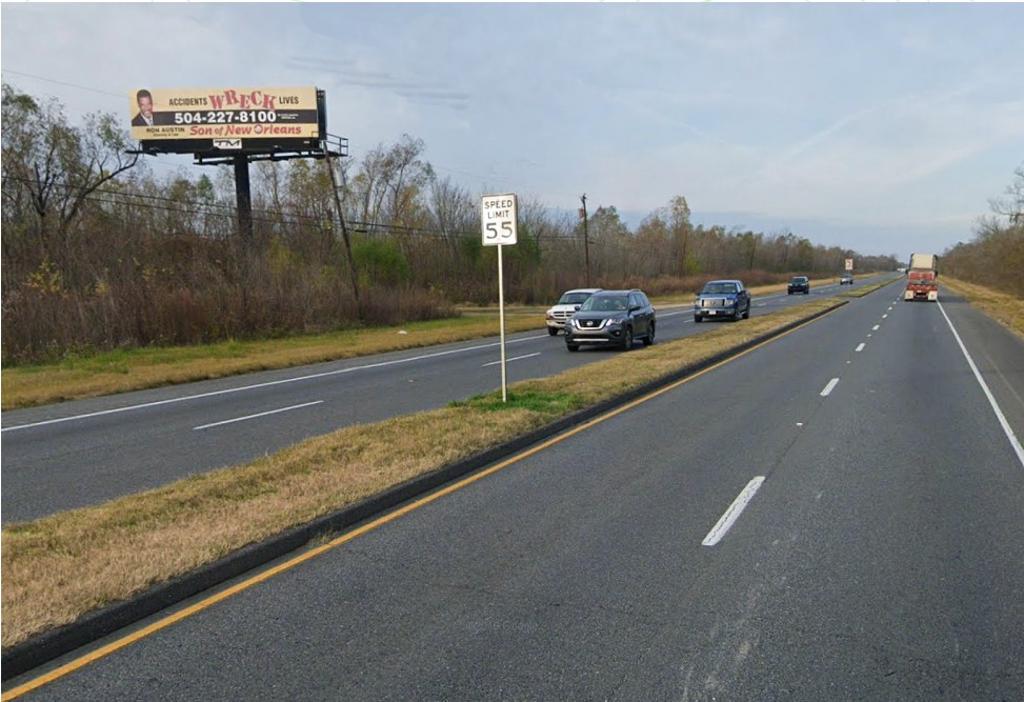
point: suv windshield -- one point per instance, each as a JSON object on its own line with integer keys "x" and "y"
{"x": 718, "y": 288}
{"x": 606, "y": 303}
{"x": 573, "y": 298}
{"x": 799, "y": 279}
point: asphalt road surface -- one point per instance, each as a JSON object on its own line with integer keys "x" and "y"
{"x": 64, "y": 455}
{"x": 834, "y": 516}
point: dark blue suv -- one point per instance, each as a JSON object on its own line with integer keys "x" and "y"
{"x": 722, "y": 298}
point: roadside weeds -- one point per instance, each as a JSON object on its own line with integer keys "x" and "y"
{"x": 1004, "y": 308}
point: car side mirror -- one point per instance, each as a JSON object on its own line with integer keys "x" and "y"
{"x": 635, "y": 308}
{"x": 576, "y": 307}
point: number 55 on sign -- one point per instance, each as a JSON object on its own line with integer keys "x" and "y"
{"x": 498, "y": 223}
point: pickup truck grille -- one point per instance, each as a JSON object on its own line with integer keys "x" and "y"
{"x": 561, "y": 314}
{"x": 712, "y": 302}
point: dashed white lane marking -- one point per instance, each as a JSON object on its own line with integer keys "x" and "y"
{"x": 831, "y": 386}
{"x": 874, "y": 328}
{"x": 1014, "y": 443}
{"x": 254, "y": 416}
{"x": 884, "y": 316}
{"x": 325, "y": 374}
{"x": 509, "y": 360}
{"x": 725, "y": 522}
{"x": 860, "y": 347}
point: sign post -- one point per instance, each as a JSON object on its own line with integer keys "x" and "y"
{"x": 498, "y": 228}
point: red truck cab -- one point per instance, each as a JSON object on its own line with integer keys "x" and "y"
{"x": 921, "y": 285}
{"x": 922, "y": 278}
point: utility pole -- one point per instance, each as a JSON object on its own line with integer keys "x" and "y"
{"x": 586, "y": 237}
{"x": 344, "y": 233}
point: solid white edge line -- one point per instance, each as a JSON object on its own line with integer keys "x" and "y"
{"x": 828, "y": 388}
{"x": 254, "y": 416}
{"x": 860, "y": 347}
{"x": 269, "y": 383}
{"x": 729, "y": 517}
{"x": 509, "y": 360}
{"x": 1014, "y": 442}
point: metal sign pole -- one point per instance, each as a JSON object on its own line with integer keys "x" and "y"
{"x": 501, "y": 321}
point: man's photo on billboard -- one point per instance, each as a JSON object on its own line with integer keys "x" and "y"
{"x": 145, "y": 116}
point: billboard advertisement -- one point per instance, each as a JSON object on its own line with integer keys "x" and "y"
{"x": 229, "y": 120}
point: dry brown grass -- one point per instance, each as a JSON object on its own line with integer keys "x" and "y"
{"x": 60, "y": 567}
{"x": 136, "y": 369}
{"x": 1003, "y": 307}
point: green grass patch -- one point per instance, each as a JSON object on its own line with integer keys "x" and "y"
{"x": 542, "y": 402}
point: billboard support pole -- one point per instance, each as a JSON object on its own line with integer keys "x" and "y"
{"x": 243, "y": 196}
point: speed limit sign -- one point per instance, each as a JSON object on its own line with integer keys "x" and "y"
{"x": 498, "y": 220}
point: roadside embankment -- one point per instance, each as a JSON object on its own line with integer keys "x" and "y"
{"x": 1003, "y": 307}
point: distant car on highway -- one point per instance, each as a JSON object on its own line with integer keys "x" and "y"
{"x": 799, "y": 284}
{"x": 722, "y": 298}
{"x": 612, "y": 318}
{"x": 846, "y": 278}
{"x": 566, "y": 307}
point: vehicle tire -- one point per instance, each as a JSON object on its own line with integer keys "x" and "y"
{"x": 572, "y": 347}
{"x": 789, "y": 292}
{"x": 807, "y": 292}
{"x": 552, "y": 331}
{"x": 627, "y": 339}
{"x": 697, "y": 319}
{"x": 649, "y": 339}
{"x": 746, "y": 315}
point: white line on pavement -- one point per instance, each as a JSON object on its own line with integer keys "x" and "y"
{"x": 509, "y": 360}
{"x": 874, "y": 328}
{"x": 828, "y": 388}
{"x": 730, "y": 516}
{"x": 860, "y": 347}
{"x": 1014, "y": 443}
{"x": 884, "y": 316}
{"x": 254, "y": 416}
{"x": 270, "y": 383}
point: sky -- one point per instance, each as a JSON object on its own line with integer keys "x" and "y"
{"x": 882, "y": 128}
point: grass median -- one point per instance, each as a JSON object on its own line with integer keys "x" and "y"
{"x": 864, "y": 290}
{"x": 1004, "y": 308}
{"x": 60, "y": 567}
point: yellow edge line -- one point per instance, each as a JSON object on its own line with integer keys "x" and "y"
{"x": 185, "y": 613}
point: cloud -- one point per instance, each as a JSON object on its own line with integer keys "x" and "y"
{"x": 349, "y": 72}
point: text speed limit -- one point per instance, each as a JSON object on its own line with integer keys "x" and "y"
{"x": 498, "y": 219}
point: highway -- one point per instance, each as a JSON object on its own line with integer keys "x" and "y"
{"x": 833, "y": 516}
{"x": 85, "y": 452}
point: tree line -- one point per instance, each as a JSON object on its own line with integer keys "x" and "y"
{"x": 995, "y": 255}
{"x": 100, "y": 252}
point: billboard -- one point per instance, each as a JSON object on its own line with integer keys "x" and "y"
{"x": 227, "y": 120}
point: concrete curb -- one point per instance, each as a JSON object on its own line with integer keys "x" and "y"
{"x": 91, "y": 627}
